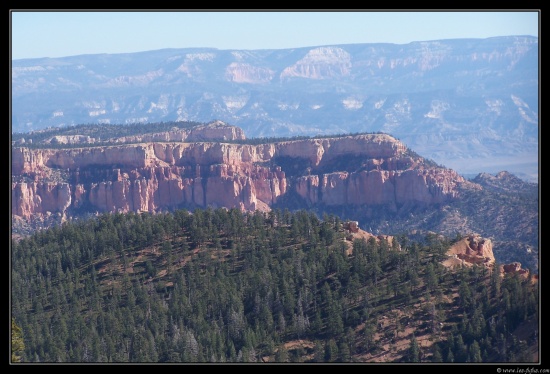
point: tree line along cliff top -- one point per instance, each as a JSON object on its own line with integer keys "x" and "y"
{"x": 101, "y": 134}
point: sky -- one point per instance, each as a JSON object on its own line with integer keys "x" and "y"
{"x": 37, "y": 34}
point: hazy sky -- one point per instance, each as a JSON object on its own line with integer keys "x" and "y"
{"x": 58, "y": 34}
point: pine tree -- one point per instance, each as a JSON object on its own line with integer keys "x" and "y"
{"x": 450, "y": 356}
{"x": 475, "y": 352}
{"x": 436, "y": 357}
{"x": 282, "y": 354}
{"x": 345, "y": 354}
{"x": 331, "y": 351}
{"x": 318, "y": 352}
{"x": 460, "y": 351}
{"x": 17, "y": 343}
{"x": 414, "y": 350}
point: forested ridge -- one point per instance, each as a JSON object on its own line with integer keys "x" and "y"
{"x": 105, "y": 134}
{"x": 220, "y": 285}
{"x": 100, "y": 131}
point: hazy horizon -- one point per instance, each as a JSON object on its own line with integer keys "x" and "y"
{"x": 40, "y": 34}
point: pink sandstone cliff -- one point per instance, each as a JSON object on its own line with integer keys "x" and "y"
{"x": 153, "y": 176}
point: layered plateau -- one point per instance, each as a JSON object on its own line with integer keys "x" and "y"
{"x": 372, "y": 169}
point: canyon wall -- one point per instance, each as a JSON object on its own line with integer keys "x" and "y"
{"x": 154, "y": 176}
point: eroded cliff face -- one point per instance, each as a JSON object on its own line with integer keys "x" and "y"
{"x": 40, "y": 197}
{"x": 375, "y": 187}
{"x": 155, "y": 176}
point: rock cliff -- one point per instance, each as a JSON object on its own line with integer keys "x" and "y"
{"x": 367, "y": 169}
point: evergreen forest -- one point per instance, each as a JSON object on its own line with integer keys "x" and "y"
{"x": 219, "y": 285}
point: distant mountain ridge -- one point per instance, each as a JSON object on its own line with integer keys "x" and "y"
{"x": 469, "y": 104}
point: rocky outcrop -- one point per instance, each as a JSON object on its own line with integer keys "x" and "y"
{"x": 475, "y": 250}
{"x": 471, "y": 250}
{"x": 353, "y": 232}
{"x": 158, "y": 176}
{"x": 514, "y": 268}
{"x": 70, "y": 139}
